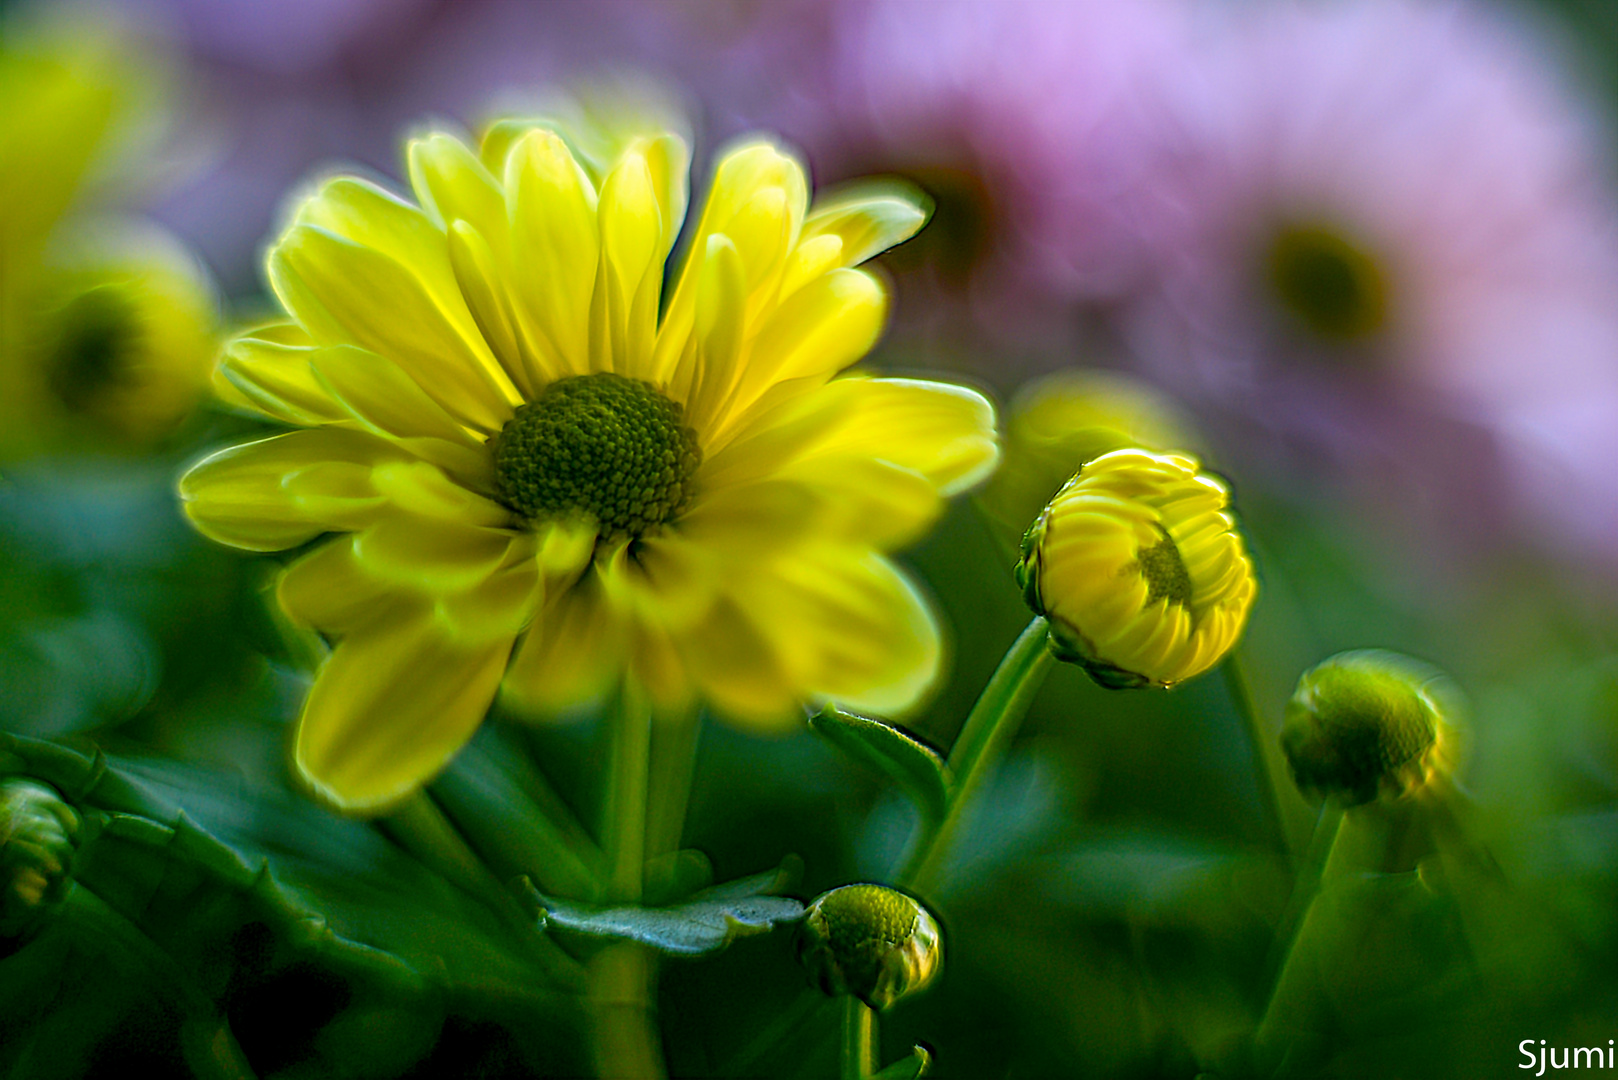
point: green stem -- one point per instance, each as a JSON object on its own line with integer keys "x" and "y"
{"x": 673, "y": 762}
{"x": 621, "y": 975}
{"x": 624, "y": 815}
{"x": 859, "y": 1039}
{"x": 1284, "y": 947}
{"x": 1263, "y": 747}
{"x": 983, "y": 740}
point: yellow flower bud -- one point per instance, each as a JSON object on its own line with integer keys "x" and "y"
{"x": 870, "y": 941}
{"x": 1369, "y": 723}
{"x": 1139, "y": 567}
{"x": 38, "y": 832}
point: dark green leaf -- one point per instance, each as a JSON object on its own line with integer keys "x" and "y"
{"x": 911, "y": 764}
{"x": 911, "y": 1068}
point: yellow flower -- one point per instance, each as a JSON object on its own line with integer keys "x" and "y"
{"x": 1056, "y": 424}
{"x": 106, "y": 325}
{"x": 545, "y": 474}
{"x": 1138, "y": 566}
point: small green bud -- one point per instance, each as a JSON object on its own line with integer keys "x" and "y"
{"x": 870, "y": 941}
{"x": 1366, "y": 723}
{"x": 38, "y": 835}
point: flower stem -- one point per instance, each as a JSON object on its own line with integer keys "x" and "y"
{"x": 621, "y": 975}
{"x": 673, "y": 761}
{"x": 859, "y": 1039}
{"x": 1284, "y": 947}
{"x": 1262, "y": 745}
{"x": 981, "y": 744}
{"x": 624, "y": 815}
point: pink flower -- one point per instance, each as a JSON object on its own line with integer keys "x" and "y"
{"x": 1396, "y": 201}
{"x": 1028, "y": 119}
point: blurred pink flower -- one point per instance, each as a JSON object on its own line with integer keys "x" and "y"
{"x": 1393, "y": 204}
{"x": 1031, "y": 117}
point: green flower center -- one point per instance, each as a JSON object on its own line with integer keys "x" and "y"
{"x": 861, "y": 915}
{"x": 95, "y": 337}
{"x": 1165, "y": 574}
{"x": 602, "y": 444}
{"x": 1330, "y": 284}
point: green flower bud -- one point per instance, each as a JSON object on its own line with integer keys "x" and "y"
{"x": 1368, "y": 723}
{"x": 38, "y": 833}
{"x": 870, "y": 941}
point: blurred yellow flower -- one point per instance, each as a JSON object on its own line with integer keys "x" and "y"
{"x": 1140, "y": 569}
{"x": 106, "y": 325}
{"x": 546, "y": 475}
{"x": 1056, "y": 424}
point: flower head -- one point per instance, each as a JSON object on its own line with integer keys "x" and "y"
{"x": 106, "y": 325}
{"x": 535, "y": 470}
{"x": 870, "y": 941}
{"x": 1138, "y": 566}
{"x": 1366, "y": 723}
{"x": 1393, "y": 212}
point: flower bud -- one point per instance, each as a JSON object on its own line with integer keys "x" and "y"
{"x": 870, "y": 941}
{"x": 1366, "y": 723}
{"x": 124, "y": 339}
{"x": 1139, "y": 567}
{"x": 38, "y": 833}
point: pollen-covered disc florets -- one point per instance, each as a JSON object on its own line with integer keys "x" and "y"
{"x": 1138, "y": 566}
{"x": 870, "y": 941}
{"x": 602, "y": 444}
{"x": 1368, "y": 722}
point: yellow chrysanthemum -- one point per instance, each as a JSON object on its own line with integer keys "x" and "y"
{"x": 541, "y": 482}
{"x": 106, "y": 325}
{"x": 1138, "y": 566}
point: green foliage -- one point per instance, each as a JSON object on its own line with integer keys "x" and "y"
{"x": 704, "y": 923}
{"x": 914, "y": 766}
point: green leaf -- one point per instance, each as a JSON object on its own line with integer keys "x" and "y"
{"x": 913, "y": 765}
{"x": 706, "y": 923}
{"x": 917, "y": 1065}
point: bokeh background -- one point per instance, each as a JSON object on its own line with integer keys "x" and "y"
{"x": 1361, "y": 255}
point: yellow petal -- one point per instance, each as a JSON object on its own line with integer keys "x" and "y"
{"x": 555, "y": 242}
{"x": 330, "y": 589}
{"x": 348, "y": 293}
{"x": 280, "y": 492}
{"x": 708, "y": 378}
{"x": 421, "y": 487}
{"x": 453, "y": 184}
{"x": 529, "y": 360}
{"x": 739, "y": 178}
{"x": 847, "y": 625}
{"x": 573, "y": 654}
{"x": 430, "y": 555}
{"x": 391, "y": 705}
{"x": 499, "y": 607}
{"x": 738, "y": 673}
{"x": 819, "y": 330}
{"x": 868, "y": 218}
{"x": 632, "y": 250}
{"x": 384, "y": 398}
{"x": 267, "y": 370}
